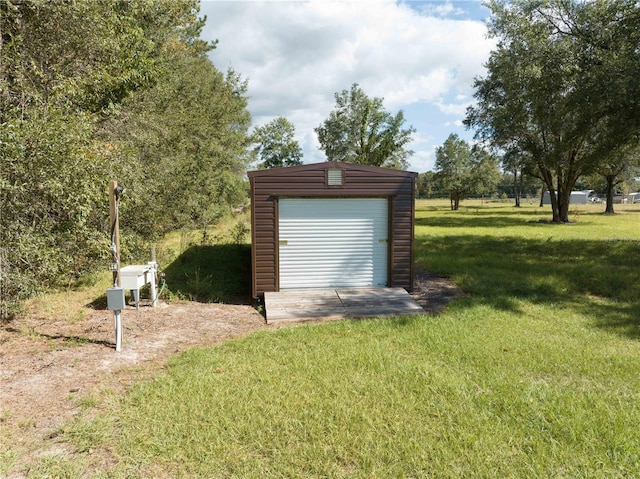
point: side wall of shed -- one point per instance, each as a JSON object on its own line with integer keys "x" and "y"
{"x": 306, "y": 182}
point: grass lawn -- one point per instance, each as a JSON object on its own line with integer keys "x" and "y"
{"x": 535, "y": 374}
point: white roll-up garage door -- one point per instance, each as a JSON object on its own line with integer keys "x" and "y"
{"x": 337, "y": 242}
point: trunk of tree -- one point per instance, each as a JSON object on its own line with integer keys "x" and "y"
{"x": 563, "y": 205}
{"x": 554, "y": 205}
{"x": 610, "y": 185}
{"x": 542, "y": 197}
{"x": 561, "y": 193}
{"x": 517, "y": 187}
{"x": 547, "y": 178}
{"x": 455, "y": 201}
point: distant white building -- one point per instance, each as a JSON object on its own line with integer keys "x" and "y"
{"x": 576, "y": 198}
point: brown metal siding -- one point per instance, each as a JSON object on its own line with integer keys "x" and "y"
{"x": 308, "y": 181}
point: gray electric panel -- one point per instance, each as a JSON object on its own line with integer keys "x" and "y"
{"x": 115, "y": 299}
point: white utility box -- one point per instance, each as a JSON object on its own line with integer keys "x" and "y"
{"x": 134, "y": 277}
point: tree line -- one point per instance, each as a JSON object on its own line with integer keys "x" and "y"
{"x": 98, "y": 90}
{"x": 559, "y": 104}
{"x": 558, "y": 108}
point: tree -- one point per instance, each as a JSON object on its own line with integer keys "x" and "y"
{"x": 62, "y": 65}
{"x": 619, "y": 166}
{"x": 513, "y": 164}
{"x": 190, "y": 132}
{"x": 426, "y": 185}
{"x": 461, "y": 170}
{"x": 546, "y": 94}
{"x": 517, "y": 183}
{"x": 276, "y": 145}
{"x": 360, "y": 130}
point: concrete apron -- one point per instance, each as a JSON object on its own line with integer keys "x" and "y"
{"x": 316, "y": 304}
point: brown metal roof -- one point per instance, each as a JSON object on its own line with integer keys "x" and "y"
{"x": 296, "y": 170}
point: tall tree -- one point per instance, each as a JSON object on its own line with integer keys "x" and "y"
{"x": 360, "y": 130}
{"x": 461, "y": 170}
{"x": 275, "y": 144}
{"x": 190, "y": 135}
{"x": 517, "y": 164}
{"x": 545, "y": 92}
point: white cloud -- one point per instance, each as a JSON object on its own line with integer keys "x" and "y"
{"x": 423, "y": 161}
{"x": 296, "y": 55}
{"x": 445, "y": 9}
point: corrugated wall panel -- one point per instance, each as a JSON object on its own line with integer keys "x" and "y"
{"x": 333, "y": 242}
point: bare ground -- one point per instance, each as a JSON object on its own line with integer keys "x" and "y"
{"x": 49, "y": 367}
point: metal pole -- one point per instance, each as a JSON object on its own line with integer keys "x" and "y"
{"x": 153, "y": 267}
{"x": 118, "y": 323}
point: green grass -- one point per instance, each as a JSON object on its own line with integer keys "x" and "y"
{"x": 470, "y": 394}
{"x": 534, "y": 374}
{"x": 503, "y": 255}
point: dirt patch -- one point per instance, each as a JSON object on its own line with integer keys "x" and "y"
{"x": 48, "y": 368}
{"x": 434, "y": 292}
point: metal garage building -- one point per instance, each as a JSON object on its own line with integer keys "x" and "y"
{"x": 329, "y": 225}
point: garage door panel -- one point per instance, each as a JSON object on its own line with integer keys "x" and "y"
{"x": 333, "y": 242}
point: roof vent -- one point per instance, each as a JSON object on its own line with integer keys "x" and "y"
{"x": 335, "y": 177}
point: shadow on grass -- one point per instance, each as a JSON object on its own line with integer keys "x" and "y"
{"x": 212, "y": 274}
{"x": 489, "y": 219}
{"x": 620, "y": 318}
{"x": 100, "y": 303}
{"x": 502, "y": 271}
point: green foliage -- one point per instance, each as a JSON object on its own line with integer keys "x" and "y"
{"x": 51, "y": 195}
{"x": 191, "y": 134}
{"x": 276, "y": 145}
{"x": 461, "y": 170}
{"x": 427, "y": 185}
{"x": 96, "y": 90}
{"x": 361, "y": 131}
{"x": 560, "y": 89}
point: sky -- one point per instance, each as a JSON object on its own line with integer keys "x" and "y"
{"x": 421, "y": 57}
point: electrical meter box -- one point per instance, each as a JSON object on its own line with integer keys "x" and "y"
{"x": 115, "y": 299}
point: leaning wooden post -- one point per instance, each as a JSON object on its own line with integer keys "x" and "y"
{"x": 115, "y": 232}
{"x": 115, "y": 265}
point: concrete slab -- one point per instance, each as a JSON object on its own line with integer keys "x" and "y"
{"x": 311, "y": 304}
